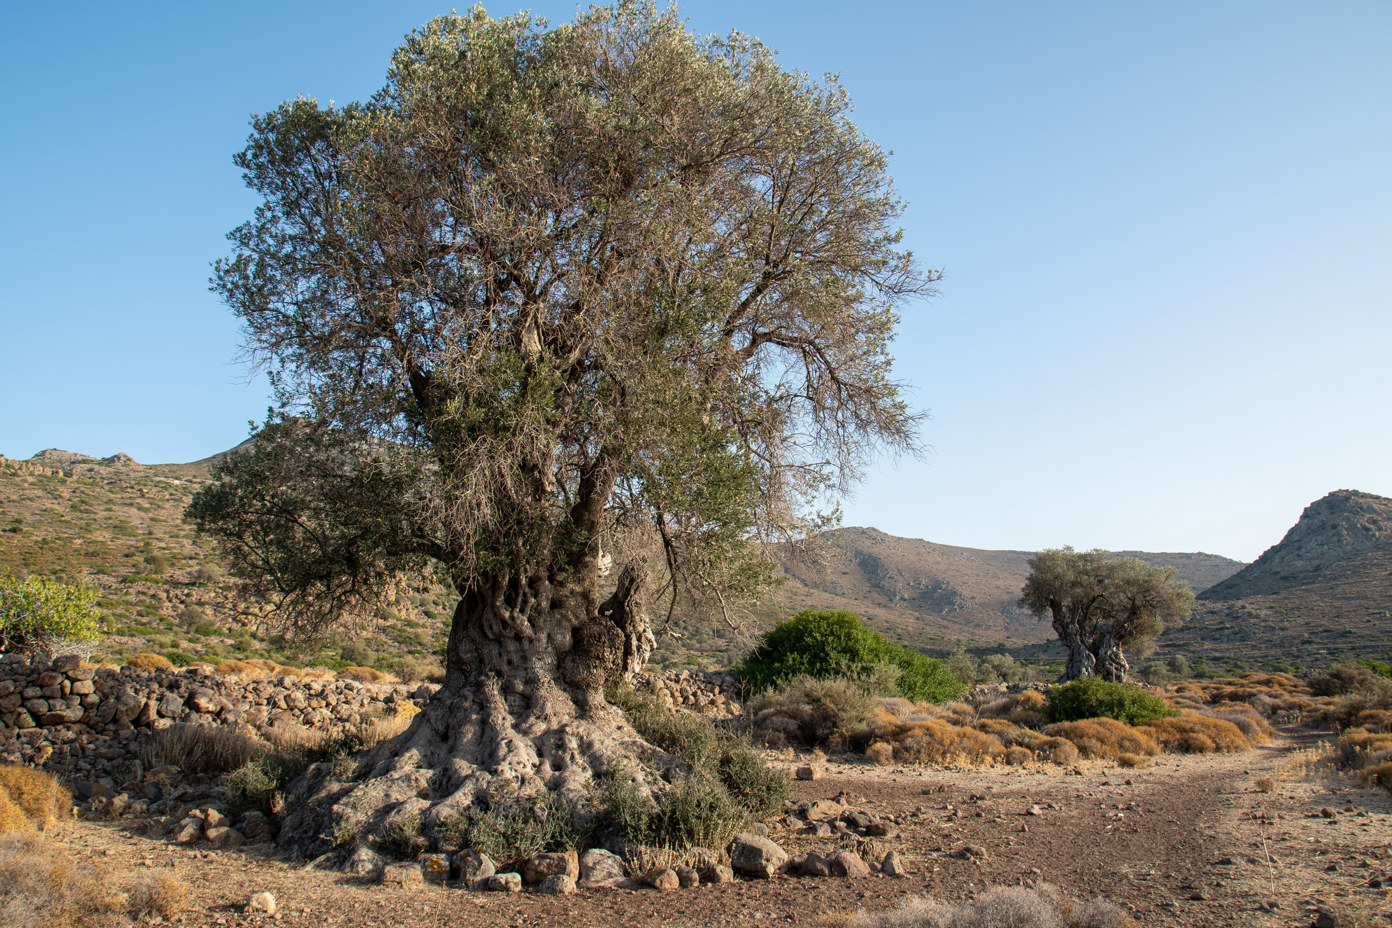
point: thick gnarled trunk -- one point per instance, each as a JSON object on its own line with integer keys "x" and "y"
{"x": 521, "y": 711}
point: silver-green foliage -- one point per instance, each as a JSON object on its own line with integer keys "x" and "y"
{"x": 552, "y": 285}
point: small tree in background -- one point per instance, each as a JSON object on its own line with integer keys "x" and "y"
{"x": 1101, "y": 606}
{"x": 46, "y": 616}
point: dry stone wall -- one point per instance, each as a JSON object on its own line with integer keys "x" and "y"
{"x": 91, "y": 723}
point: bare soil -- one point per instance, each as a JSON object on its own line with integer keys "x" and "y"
{"x": 1188, "y": 842}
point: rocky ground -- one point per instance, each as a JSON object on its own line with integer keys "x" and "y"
{"x": 1190, "y": 841}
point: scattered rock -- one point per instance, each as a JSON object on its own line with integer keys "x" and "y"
{"x": 716, "y": 874}
{"x": 474, "y": 865}
{"x": 262, "y": 902}
{"x": 824, "y": 810}
{"x": 435, "y": 868}
{"x": 893, "y": 866}
{"x": 664, "y": 879}
{"x": 600, "y": 868}
{"x": 543, "y": 865}
{"x": 809, "y": 864}
{"x": 558, "y": 884}
{"x": 808, "y": 772}
{"x": 407, "y": 873}
{"x": 504, "y": 883}
{"x": 757, "y": 856}
{"x": 969, "y": 852}
{"x": 848, "y": 864}
{"x": 365, "y": 863}
{"x": 688, "y": 877}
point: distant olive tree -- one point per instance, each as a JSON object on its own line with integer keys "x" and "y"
{"x": 1100, "y": 606}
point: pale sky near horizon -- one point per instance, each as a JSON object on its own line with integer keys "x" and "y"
{"x": 1166, "y": 230}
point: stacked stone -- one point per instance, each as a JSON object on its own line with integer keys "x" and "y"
{"x": 708, "y": 692}
{"x": 91, "y": 722}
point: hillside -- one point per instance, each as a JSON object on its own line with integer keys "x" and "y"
{"x": 1322, "y": 594}
{"x": 118, "y": 525}
{"x": 935, "y": 596}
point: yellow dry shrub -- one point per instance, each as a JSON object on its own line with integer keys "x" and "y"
{"x": 1057, "y": 750}
{"x": 42, "y": 799}
{"x": 41, "y": 887}
{"x": 1192, "y": 733}
{"x": 150, "y": 662}
{"x": 310, "y": 673}
{"x": 880, "y": 753}
{"x": 1379, "y": 720}
{"x": 935, "y": 741}
{"x": 958, "y": 713}
{"x": 1356, "y": 745}
{"x": 1016, "y": 755}
{"x": 1377, "y": 775}
{"x": 1133, "y": 760}
{"x": 1104, "y": 739}
{"x": 12, "y": 817}
{"x": 995, "y": 726}
{"x": 362, "y": 674}
{"x": 243, "y": 669}
{"x": 163, "y": 895}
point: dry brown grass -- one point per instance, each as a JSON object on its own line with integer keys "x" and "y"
{"x": 162, "y": 895}
{"x": 363, "y": 675}
{"x": 1043, "y": 906}
{"x": 1194, "y": 733}
{"x": 39, "y": 796}
{"x": 42, "y": 887}
{"x": 196, "y": 748}
{"x": 12, "y": 817}
{"x": 150, "y": 662}
{"x": 1059, "y": 751}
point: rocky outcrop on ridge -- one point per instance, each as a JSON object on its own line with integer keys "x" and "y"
{"x": 1333, "y": 531}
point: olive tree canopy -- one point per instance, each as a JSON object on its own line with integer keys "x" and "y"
{"x": 1100, "y": 605}
{"x": 552, "y": 297}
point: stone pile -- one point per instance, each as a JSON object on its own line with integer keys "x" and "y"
{"x": 712, "y": 693}
{"x": 90, "y": 724}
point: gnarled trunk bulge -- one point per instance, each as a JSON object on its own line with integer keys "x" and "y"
{"x": 521, "y": 712}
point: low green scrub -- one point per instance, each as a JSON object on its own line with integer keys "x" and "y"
{"x": 515, "y": 828}
{"x": 826, "y": 645}
{"x": 727, "y": 784}
{"x": 1093, "y": 698}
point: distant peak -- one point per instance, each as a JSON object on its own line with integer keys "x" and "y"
{"x": 1337, "y": 526}
{"x": 59, "y": 456}
{"x": 121, "y": 459}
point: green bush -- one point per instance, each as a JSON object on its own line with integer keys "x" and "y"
{"x": 1093, "y": 697}
{"x": 38, "y": 614}
{"x": 825, "y": 645}
{"x": 726, "y": 786}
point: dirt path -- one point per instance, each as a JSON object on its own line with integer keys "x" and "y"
{"x": 1188, "y": 842}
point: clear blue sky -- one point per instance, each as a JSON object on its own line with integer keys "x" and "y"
{"x": 1166, "y": 229}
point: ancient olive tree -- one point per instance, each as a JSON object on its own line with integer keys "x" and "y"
{"x": 552, "y": 297}
{"x": 1101, "y": 605}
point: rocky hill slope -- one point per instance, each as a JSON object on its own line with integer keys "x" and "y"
{"x": 118, "y": 525}
{"x": 1322, "y": 594}
{"x": 1337, "y": 537}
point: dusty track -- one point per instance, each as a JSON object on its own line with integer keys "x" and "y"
{"x": 1188, "y": 842}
